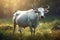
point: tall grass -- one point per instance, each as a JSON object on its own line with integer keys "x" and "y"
{"x": 43, "y": 31}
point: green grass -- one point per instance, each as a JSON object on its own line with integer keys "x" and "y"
{"x": 43, "y": 31}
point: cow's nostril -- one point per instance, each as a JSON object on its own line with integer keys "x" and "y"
{"x": 42, "y": 16}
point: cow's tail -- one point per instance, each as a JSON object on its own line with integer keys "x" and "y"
{"x": 14, "y": 24}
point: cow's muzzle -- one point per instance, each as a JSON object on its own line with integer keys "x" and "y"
{"x": 42, "y": 17}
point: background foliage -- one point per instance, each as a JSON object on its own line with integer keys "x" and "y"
{"x": 8, "y": 7}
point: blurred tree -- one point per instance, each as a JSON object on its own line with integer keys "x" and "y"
{"x": 8, "y": 7}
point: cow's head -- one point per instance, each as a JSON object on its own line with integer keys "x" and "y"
{"x": 42, "y": 11}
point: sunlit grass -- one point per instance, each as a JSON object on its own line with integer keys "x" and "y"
{"x": 43, "y": 31}
{"x": 6, "y": 21}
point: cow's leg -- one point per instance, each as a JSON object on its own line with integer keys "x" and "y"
{"x": 35, "y": 25}
{"x": 14, "y": 28}
{"x": 34, "y": 30}
{"x": 20, "y": 30}
{"x": 31, "y": 30}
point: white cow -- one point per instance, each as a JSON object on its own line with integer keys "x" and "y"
{"x": 27, "y": 18}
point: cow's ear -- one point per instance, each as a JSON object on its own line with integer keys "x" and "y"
{"x": 36, "y": 10}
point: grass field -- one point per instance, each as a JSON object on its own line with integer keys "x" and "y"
{"x": 43, "y": 31}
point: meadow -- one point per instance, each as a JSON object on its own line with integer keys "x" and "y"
{"x": 43, "y": 31}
